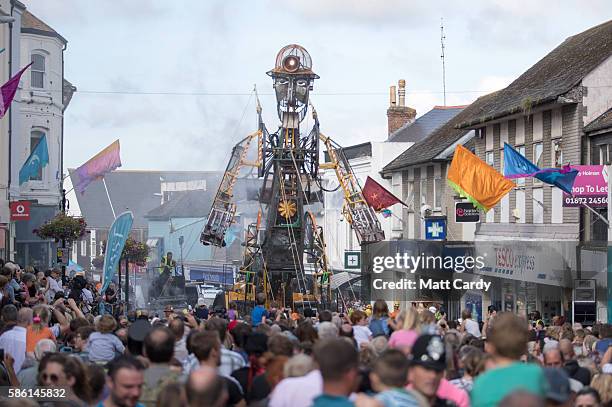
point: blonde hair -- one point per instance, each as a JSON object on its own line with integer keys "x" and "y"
{"x": 602, "y": 382}
{"x": 409, "y": 318}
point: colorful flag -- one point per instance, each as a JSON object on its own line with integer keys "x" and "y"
{"x": 518, "y": 166}
{"x": 473, "y": 179}
{"x": 9, "y": 89}
{"x": 101, "y": 164}
{"x": 39, "y": 157}
{"x": 117, "y": 236}
{"x": 377, "y": 196}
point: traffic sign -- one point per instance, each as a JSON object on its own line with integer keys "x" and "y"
{"x": 20, "y": 210}
{"x": 352, "y": 260}
{"x": 466, "y": 212}
{"x": 435, "y": 228}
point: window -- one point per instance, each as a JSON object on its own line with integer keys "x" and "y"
{"x": 38, "y": 71}
{"x": 423, "y": 191}
{"x": 520, "y": 181}
{"x": 557, "y": 153}
{"x": 409, "y": 197}
{"x": 538, "y": 158}
{"x": 490, "y": 158}
{"x": 35, "y": 137}
{"x": 83, "y": 248}
{"x": 437, "y": 193}
{"x": 605, "y": 154}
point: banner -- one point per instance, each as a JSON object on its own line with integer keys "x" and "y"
{"x": 117, "y": 236}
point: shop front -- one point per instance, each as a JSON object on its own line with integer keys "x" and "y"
{"x": 30, "y": 250}
{"x": 530, "y": 276}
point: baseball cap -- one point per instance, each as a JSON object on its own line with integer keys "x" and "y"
{"x": 429, "y": 351}
{"x": 558, "y": 385}
{"x": 433, "y": 309}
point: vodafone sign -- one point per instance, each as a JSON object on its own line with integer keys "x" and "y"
{"x": 20, "y": 210}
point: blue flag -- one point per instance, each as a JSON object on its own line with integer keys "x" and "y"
{"x": 518, "y": 166}
{"x": 118, "y": 234}
{"x": 39, "y": 157}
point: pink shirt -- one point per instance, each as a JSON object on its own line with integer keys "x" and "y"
{"x": 449, "y": 391}
{"x": 297, "y": 391}
{"x": 403, "y": 337}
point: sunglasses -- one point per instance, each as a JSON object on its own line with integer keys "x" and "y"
{"x": 53, "y": 378}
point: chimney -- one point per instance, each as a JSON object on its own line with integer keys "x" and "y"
{"x": 398, "y": 114}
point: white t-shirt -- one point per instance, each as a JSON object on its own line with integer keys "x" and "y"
{"x": 472, "y": 328}
{"x": 54, "y": 287}
{"x": 362, "y": 334}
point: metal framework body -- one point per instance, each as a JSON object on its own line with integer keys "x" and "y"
{"x": 289, "y": 165}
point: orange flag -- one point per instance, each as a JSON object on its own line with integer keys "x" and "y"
{"x": 477, "y": 181}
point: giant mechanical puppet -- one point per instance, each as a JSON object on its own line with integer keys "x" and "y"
{"x": 284, "y": 254}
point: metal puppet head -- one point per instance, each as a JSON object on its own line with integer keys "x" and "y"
{"x": 293, "y": 80}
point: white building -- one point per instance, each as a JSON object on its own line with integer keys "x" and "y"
{"x": 5, "y": 13}
{"x": 366, "y": 160}
{"x": 37, "y": 111}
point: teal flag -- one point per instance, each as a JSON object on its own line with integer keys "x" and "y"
{"x": 118, "y": 234}
{"x": 39, "y": 158}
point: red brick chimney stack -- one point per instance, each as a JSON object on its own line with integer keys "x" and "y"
{"x": 398, "y": 114}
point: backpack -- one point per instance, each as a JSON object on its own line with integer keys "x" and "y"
{"x": 379, "y": 327}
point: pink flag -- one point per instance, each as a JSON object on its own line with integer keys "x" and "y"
{"x": 101, "y": 164}
{"x": 9, "y": 89}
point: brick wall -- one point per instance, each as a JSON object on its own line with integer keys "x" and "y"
{"x": 397, "y": 116}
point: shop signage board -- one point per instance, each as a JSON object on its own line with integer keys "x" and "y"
{"x": 466, "y": 212}
{"x": 20, "y": 210}
{"x": 590, "y": 187}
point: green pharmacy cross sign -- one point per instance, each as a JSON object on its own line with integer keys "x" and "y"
{"x": 352, "y": 260}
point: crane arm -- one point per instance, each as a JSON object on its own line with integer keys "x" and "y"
{"x": 356, "y": 210}
{"x": 223, "y": 209}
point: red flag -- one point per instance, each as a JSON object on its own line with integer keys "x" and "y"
{"x": 8, "y": 90}
{"x": 377, "y": 196}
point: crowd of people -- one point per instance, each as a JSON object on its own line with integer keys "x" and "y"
{"x": 273, "y": 356}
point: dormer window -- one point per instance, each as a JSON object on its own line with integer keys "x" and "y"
{"x": 38, "y": 71}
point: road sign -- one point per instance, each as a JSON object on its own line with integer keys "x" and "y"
{"x": 435, "y": 228}
{"x": 20, "y": 210}
{"x": 352, "y": 260}
{"x": 466, "y": 212}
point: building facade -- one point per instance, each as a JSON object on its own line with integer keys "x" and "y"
{"x": 37, "y": 111}
{"x": 5, "y": 59}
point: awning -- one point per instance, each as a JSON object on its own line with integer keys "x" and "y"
{"x": 344, "y": 277}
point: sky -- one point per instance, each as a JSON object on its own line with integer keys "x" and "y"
{"x": 173, "y": 80}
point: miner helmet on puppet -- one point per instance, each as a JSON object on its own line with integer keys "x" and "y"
{"x": 293, "y": 80}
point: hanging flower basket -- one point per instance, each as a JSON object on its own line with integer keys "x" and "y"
{"x": 135, "y": 252}
{"x": 62, "y": 227}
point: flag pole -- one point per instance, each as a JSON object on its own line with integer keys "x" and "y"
{"x": 109, "y": 200}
